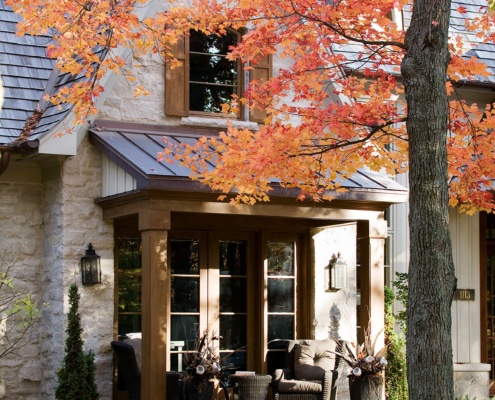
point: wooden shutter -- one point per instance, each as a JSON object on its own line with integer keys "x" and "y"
{"x": 177, "y": 81}
{"x": 260, "y": 72}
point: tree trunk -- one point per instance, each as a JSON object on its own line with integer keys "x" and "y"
{"x": 431, "y": 269}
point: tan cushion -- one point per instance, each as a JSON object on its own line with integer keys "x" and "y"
{"x": 299, "y": 386}
{"x": 312, "y": 358}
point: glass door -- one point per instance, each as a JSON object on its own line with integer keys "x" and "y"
{"x": 209, "y": 292}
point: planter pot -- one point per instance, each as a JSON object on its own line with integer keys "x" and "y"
{"x": 366, "y": 388}
{"x": 196, "y": 390}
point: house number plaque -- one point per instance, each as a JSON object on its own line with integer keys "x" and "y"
{"x": 464, "y": 294}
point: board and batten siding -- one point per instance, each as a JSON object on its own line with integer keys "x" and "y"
{"x": 115, "y": 179}
{"x": 466, "y": 335}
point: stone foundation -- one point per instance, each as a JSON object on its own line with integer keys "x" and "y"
{"x": 472, "y": 380}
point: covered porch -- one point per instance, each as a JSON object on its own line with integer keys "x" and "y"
{"x": 253, "y": 274}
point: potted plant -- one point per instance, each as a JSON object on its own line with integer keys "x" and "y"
{"x": 363, "y": 367}
{"x": 202, "y": 369}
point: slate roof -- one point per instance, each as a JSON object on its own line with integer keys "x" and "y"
{"x": 485, "y": 52}
{"x": 26, "y": 72}
{"x": 134, "y": 148}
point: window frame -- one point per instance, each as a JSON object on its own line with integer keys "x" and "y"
{"x": 239, "y": 86}
{"x": 177, "y": 92}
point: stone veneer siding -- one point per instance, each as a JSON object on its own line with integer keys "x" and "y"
{"x": 472, "y": 381}
{"x": 21, "y": 233}
{"x": 51, "y": 224}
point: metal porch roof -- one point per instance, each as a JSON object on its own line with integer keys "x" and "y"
{"x": 134, "y": 148}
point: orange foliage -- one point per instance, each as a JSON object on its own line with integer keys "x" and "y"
{"x": 335, "y": 108}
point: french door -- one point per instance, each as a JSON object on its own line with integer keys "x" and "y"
{"x": 211, "y": 276}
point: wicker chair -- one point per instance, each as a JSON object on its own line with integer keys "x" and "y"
{"x": 310, "y": 373}
{"x": 250, "y": 387}
{"x": 128, "y": 366}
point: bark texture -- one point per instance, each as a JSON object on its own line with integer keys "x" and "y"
{"x": 431, "y": 271}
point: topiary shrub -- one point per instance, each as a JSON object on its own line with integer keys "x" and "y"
{"x": 76, "y": 378}
{"x": 395, "y": 375}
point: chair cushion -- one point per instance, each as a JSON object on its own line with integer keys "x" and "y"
{"x": 299, "y": 386}
{"x": 312, "y": 358}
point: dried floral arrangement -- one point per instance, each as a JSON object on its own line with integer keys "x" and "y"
{"x": 361, "y": 361}
{"x": 203, "y": 362}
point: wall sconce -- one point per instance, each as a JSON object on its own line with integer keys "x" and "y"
{"x": 90, "y": 267}
{"x": 335, "y": 274}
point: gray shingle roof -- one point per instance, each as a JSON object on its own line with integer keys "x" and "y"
{"x": 474, "y": 8}
{"x": 25, "y": 70}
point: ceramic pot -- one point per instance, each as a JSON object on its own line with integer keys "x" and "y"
{"x": 195, "y": 390}
{"x": 366, "y": 388}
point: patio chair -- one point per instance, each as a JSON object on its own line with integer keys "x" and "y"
{"x": 310, "y": 373}
{"x": 128, "y": 366}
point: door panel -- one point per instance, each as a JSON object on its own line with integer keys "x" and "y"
{"x": 209, "y": 290}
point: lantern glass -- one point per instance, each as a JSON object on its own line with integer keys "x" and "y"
{"x": 90, "y": 267}
{"x": 338, "y": 273}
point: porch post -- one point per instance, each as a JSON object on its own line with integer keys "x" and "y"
{"x": 372, "y": 235}
{"x": 154, "y": 226}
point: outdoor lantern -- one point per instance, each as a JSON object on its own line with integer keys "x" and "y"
{"x": 90, "y": 267}
{"x": 337, "y": 274}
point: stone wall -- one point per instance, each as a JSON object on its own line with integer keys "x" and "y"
{"x": 334, "y": 310}
{"x": 121, "y": 105}
{"x": 83, "y": 224}
{"x": 48, "y": 225}
{"x": 20, "y": 246}
{"x": 471, "y": 381}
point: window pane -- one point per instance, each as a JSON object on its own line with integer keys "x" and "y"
{"x": 233, "y": 332}
{"x": 129, "y": 285}
{"x": 129, "y": 253}
{"x": 184, "y": 294}
{"x": 130, "y": 290}
{"x": 233, "y": 361}
{"x": 280, "y": 295}
{"x": 280, "y": 258}
{"x": 129, "y": 323}
{"x": 209, "y": 98}
{"x": 184, "y": 328}
{"x": 280, "y": 327}
{"x": 233, "y": 295}
{"x": 212, "y": 69}
{"x": 212, "y": 44}
{"x": 184, "y": 256}
{"x": 213, "y": 78}
{"x": 233, "y": 257}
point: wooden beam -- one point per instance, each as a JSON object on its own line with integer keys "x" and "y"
{"x": 371, "y": 236}
{"x": 154, "y": 226}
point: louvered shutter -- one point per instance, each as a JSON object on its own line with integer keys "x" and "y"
{"x": 260, "y": 72}
{"x": 177, "y": 81}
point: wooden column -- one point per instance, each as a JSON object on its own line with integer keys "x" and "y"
{"x": 372, "y": 236}
{"x": 154, "y": 226}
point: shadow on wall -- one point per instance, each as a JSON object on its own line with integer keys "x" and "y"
{"x": 335, "y": 317}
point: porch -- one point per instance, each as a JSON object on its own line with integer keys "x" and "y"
{"x": 253, "y": 274}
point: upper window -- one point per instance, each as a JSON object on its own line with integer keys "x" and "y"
{"x": 206, "y": 79}
{"x": 213, "y": 79}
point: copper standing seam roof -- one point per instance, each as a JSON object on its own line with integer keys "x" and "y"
{"x": 134, "y": 148}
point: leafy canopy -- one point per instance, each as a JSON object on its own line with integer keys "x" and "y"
{"x": 336, "y": 106}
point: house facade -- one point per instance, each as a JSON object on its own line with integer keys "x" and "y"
{"x": 174, "y": 259}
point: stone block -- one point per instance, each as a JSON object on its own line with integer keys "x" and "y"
{"x": 471, "y": 380}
